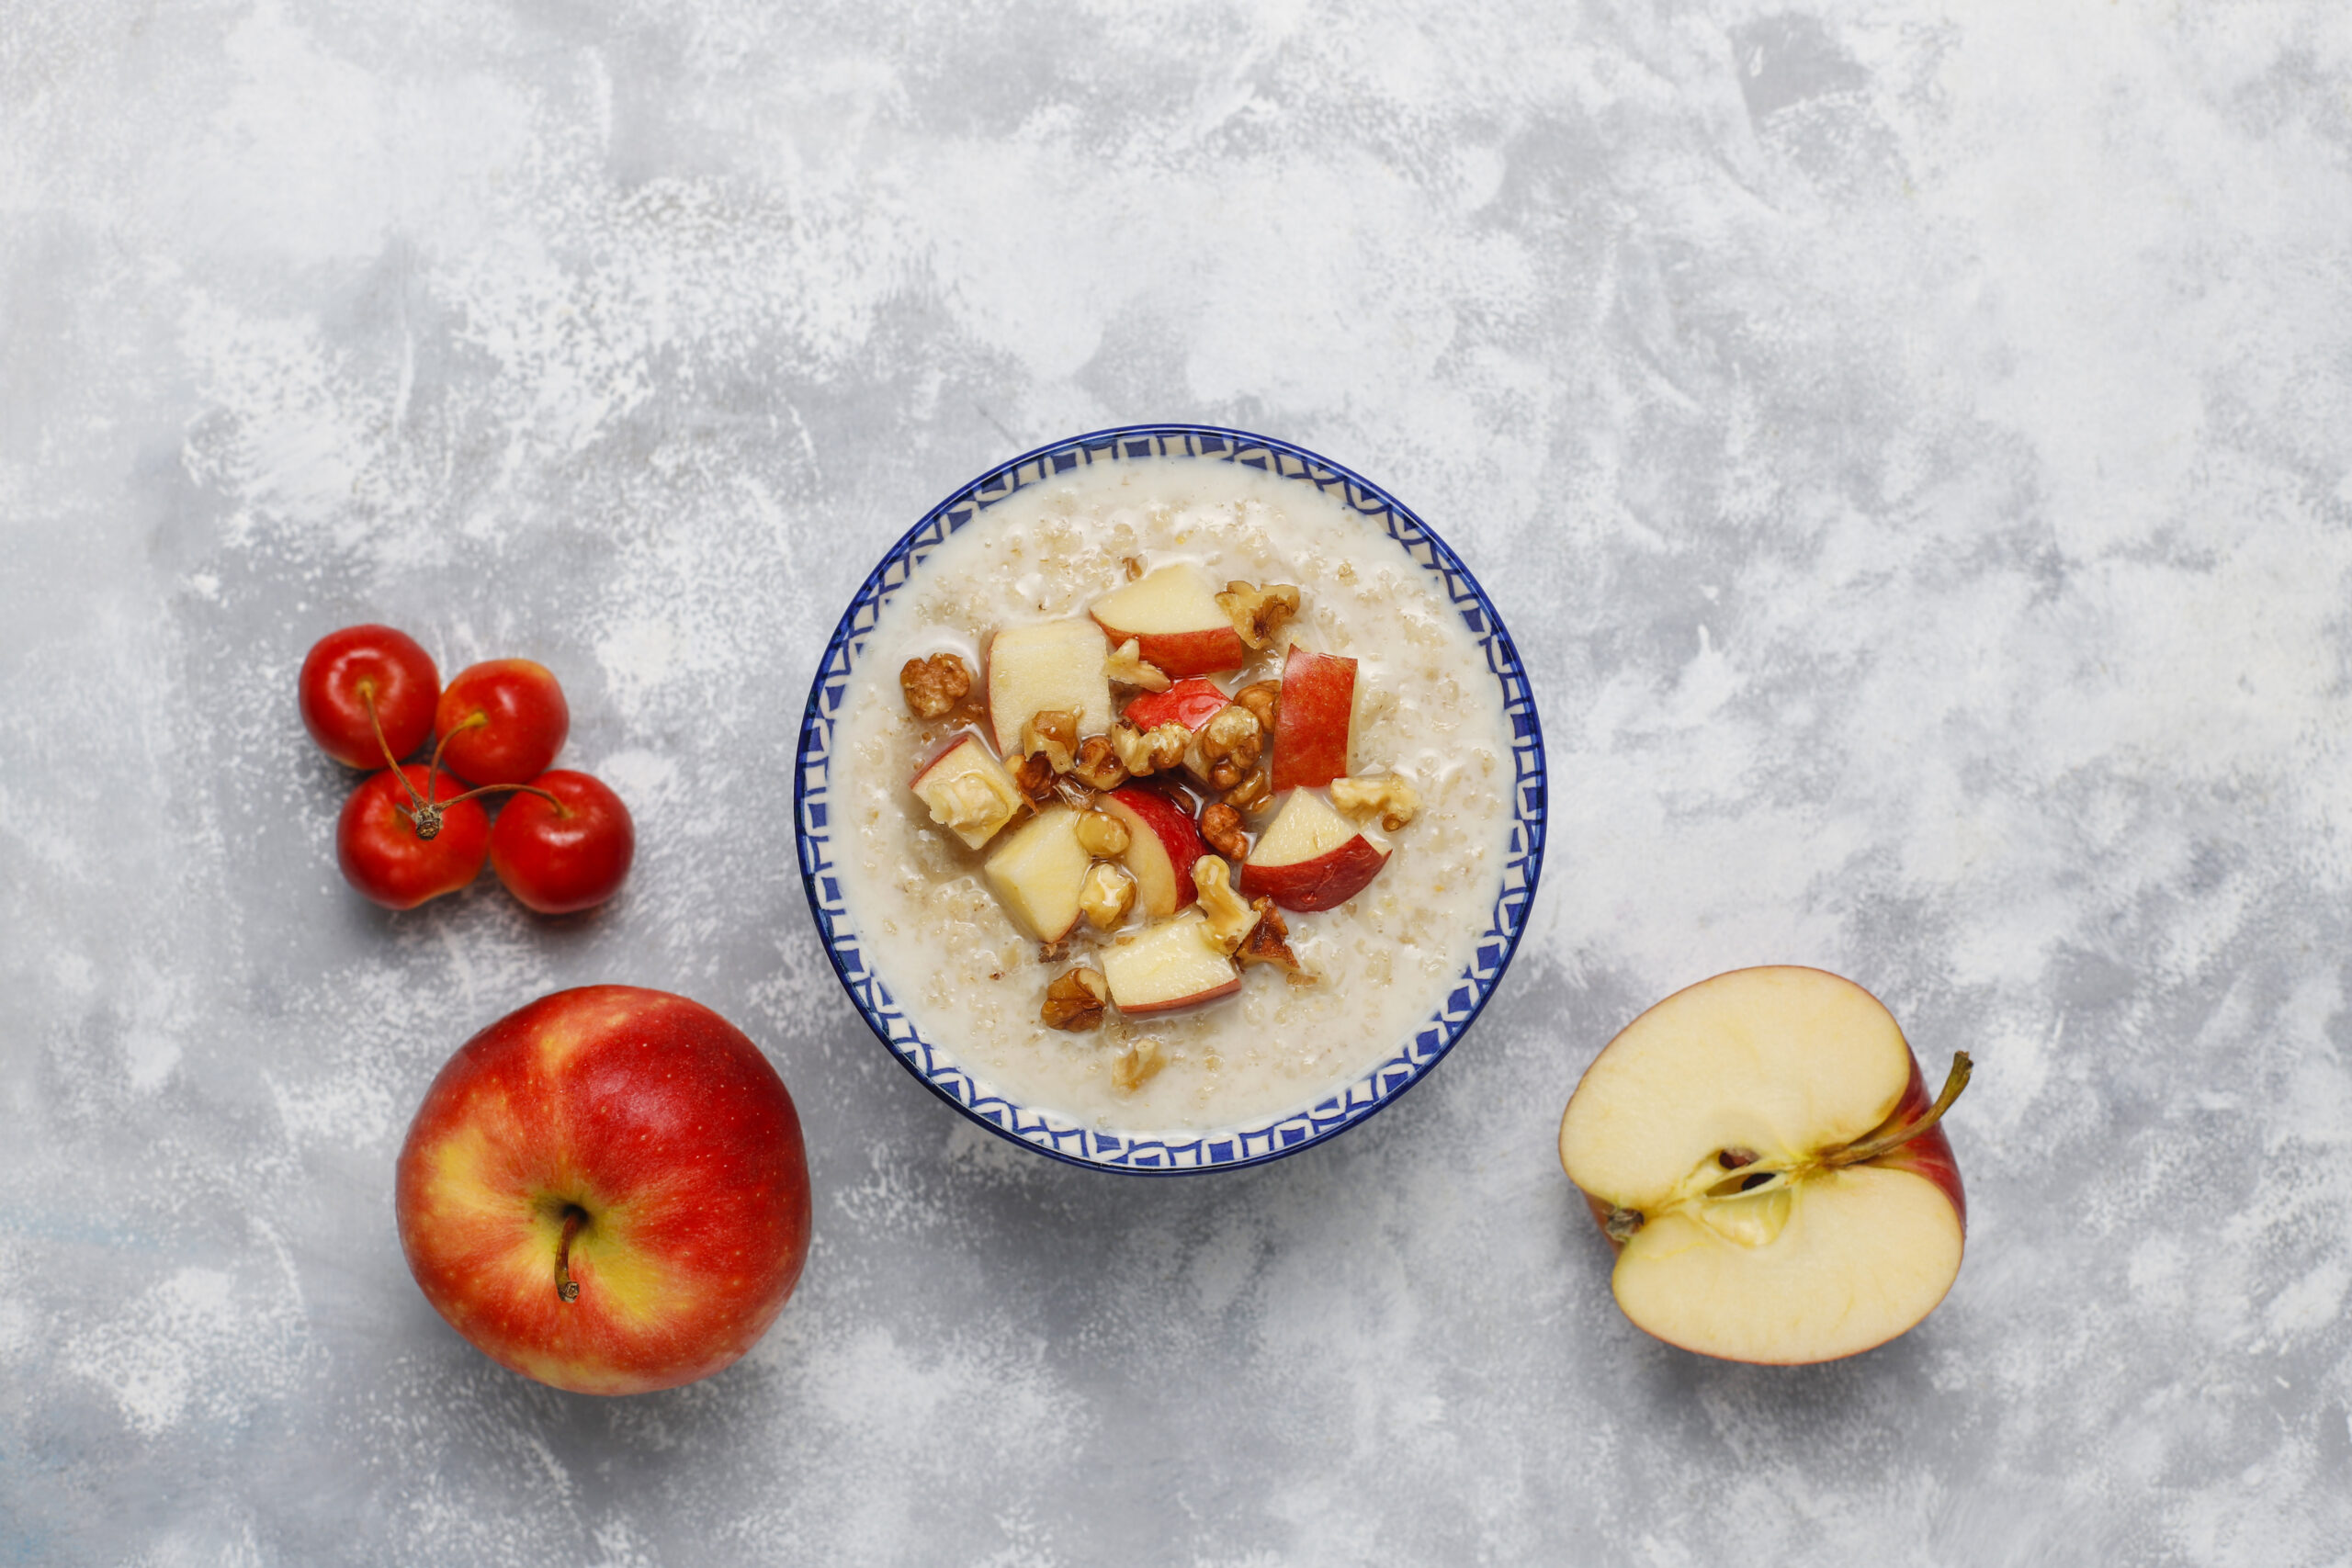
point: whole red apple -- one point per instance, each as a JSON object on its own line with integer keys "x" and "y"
{"x": 606, "y": 1192}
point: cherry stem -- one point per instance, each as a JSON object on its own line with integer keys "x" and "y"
{"x": 368, "y": 700}
{"x": 566, "y": 1287}
{"x": 1887, "y": 1143}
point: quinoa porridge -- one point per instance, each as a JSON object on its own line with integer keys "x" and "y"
{"x": 965, "y": 906}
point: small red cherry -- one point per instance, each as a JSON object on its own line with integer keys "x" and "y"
{"x": 377, "y": 844}
{"x": 502, "y": 722}
{"x": 346, "y": 671}
{"x": 564, "y": 854}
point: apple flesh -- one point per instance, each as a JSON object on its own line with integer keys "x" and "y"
{"x": 606, "y": 1192}
{"x": 968, "y": 790}
{"x": 1177, "y": 622}
{"x": 1761, "y": 1150}
{"x": 1310, "y": 857}
{"x": 1039, "y": 873}
{"x": 1190, "y": 702}
{"x": 1171, "y": 965}
{"x": 1048, "y": 667}
{"x": 1315, "y": 719}
{"x": 1163, "y": 843}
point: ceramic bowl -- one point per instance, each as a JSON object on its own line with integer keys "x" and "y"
{"x": 934, "y": 1061}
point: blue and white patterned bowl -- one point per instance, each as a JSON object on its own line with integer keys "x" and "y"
{"x": 1158, "y": 1152}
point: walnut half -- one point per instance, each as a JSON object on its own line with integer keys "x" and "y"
{"x": 1124, "y": 665}
{"x": 1221, "y": 826}
{"x": 935, "y": 685}
{"x": 1268, "y": 942}
{"x": 1384, "y": 794}
{"x": 1231, "y": 916}
{"x": 1098, "y": 766}
{"x": 1144, "y": 751}
{"x": 1075, "y": 999}
{"x": 1259, "y": 614}
{"x": 1053, "y": 731}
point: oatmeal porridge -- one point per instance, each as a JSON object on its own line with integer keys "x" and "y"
{"x": 1169, "y": 795}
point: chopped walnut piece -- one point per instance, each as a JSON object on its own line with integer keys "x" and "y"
{"x": 1254, "y": 790}
{"x": 1125, "y": 665}
{"x": 935, "y": 685}
{"x": 1259, "y": 614}
{"x": 1102, "y": 835}
{"x": 1143, "y": 752}
{"x": 1098, "y": 766}
{"x": 1135, "y": 566}
{"x": 1388, "y": 795}
{"x": 1136, "y": 1065}
{"x": 1268, "y": 942}
{"x": 1221, "y": 826}
{"x": 1075, "y": 1000}
{"x": 1033, "y": 777}
{"x": 1053, "y": 731}
{"x": 1106, "y": 894}
{"x": 1260, "y": 699}
{"x": 1232, "y": 735}
{"x": 1229, "y": 915}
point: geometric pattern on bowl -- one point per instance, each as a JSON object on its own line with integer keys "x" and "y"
{"x": 1157, "y": 1154}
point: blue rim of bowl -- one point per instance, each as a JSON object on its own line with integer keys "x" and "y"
{"x": 1172, "y": 1152}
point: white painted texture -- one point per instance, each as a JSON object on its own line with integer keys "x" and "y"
{"x": 1912, "y": 441}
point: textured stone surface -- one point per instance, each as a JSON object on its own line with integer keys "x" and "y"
{"x": 1910, "y": 441}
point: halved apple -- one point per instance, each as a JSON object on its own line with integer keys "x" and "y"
{"x": 1169, "y": 966}
{"x": 1761, "y": 1150}
{"x": 1315, "y": 720}
{"x": 1173, "y": 615}
{"x": 1163, "y": 843}
{"x": 1190, "y": 703}
{"x": 968, "y": 792}
{"x": 1042, "y": 667}
{"x": 1310, "y": 857}
{"x": 1039, "y": 873}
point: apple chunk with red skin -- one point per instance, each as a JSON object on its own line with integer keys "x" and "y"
{"x": 1310, "y": 857}
{"x": 1049, "y": 667}
{"x": 1315, "y": 720}
{"x": 1177, "y": 622}
{"x": 1169, "y": 966}
{"x": 1761, "y": 1150}
{"x": 1163, "y": 843}
{"x": 606, "y": 1192}
{"x": 1190, "y": 702}
{"x": 1039, "y": 873}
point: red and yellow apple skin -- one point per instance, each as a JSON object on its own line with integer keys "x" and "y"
{"x": 1314, "y": 719}
{"x": 1190, "y": 702}
{"x": 658, "y": 1134}
{"x": 1326, "y": 882}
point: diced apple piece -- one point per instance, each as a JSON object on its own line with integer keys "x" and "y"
{"x": 1173, "y": 615}
{"x": 1169, "y": 966}
{"x": 1039, "y": 873}
{"x": 1163, "y": 843}
{"x": 1761, "y": 1149}
{"x": 1310, "y": 857}
{"x": 968, "y": 790}
{"x": 1050, "y": 666}
{"x": 1315, "y": 720}
{"x": 1189, "y": 703}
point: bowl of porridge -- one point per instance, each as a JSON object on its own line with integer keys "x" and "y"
{"x": 1170, "y": 799}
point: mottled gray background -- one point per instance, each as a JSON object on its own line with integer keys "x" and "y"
{"x": 1912, "y": 442}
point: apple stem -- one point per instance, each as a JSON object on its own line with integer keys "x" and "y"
{"x": 471, "y": 720}
{"x": 1887, "y": 1143}
{"x": 1622, "y": 1223}
{"x": 566, "y": 1287}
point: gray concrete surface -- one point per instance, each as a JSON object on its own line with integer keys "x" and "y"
{"x": 1911, "y": 440}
